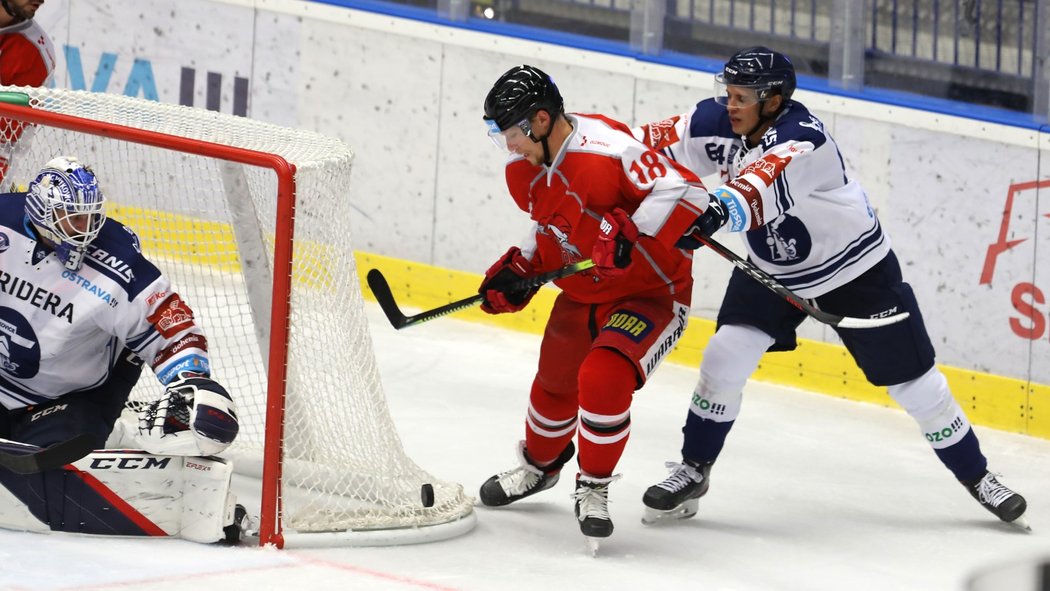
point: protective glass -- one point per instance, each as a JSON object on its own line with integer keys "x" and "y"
{"x": 512, "y": 136}
{"x": 734, "y": 95}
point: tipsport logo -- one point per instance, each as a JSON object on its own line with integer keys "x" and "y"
{"x": 1028, "y": 300}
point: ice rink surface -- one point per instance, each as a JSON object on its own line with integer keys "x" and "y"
{"x": 811, "y": 494}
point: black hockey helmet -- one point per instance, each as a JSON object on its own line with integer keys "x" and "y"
{"x": 768, "y": 72}
{"x": 519, "y": 93}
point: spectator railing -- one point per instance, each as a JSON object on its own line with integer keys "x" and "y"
{"x": 988, "y": 52}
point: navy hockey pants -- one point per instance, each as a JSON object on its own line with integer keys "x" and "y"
{"x": 91, "y": 411}
{"x": 887, "y": 355}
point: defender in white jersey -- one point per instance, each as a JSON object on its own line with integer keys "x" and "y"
{"x": 80, "y": 309}
{"x": 808, "y": 224}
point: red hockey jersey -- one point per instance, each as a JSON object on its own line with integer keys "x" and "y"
{"x": 601, "y": 167}
{"x": 27, "y": 57}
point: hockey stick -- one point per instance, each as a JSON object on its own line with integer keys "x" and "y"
{"x": 767, "y": 280}
{"x": 38, "y": 459}
{"x": 385, "y": 297}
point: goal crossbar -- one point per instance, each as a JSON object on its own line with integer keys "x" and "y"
{"x": 271, "y": 529}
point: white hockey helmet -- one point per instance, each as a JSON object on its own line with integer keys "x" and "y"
{"x": 66, "y": 206}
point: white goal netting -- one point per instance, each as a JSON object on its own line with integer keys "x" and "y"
{"x": 210, "y": 223}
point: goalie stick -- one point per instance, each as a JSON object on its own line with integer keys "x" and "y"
{"x": 37, "y": 459}
{"x": 767, "y": 280}
{"x": 399, "y": 320}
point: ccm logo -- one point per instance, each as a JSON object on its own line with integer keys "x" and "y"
{"x": 130, "y": 463}
{"x": 47, "y": 411}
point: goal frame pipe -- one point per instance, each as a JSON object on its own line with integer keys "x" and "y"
{"x": 270, "y": 528}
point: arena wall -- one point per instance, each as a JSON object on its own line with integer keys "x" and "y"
{"x": 966, "y": 200}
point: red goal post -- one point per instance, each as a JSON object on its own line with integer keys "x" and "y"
{"x": 251, "y": 223}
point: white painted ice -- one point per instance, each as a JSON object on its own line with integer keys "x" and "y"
{"x": 810, "y": 494}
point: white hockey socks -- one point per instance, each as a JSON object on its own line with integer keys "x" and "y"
{"x": 730, "y": 358}
{"x": 929, "y": 401}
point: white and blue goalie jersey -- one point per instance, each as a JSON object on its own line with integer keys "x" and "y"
{"x": 61, "y": 331}
{"x": 805, "y": 222}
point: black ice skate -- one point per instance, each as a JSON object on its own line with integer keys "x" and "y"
{"x": 592, "y": 508}
{"x": 1001, "y": 501}
{"x": 678, "y": 496}
{"x": 524, "y": 480}
{"x": 236, "y": 532}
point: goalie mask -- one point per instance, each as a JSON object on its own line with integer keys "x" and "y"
{"x": 65, "y": 204}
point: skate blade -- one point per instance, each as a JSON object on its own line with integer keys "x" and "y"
{"x": 1021, "y": 523}
{"x": 593, "y": 544}
{"x": 683, "y": 511}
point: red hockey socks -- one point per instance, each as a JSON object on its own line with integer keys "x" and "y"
{"x": 607, "y": 381}
{"x": 550, "y": 424}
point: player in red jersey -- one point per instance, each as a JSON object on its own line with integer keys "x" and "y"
{"x": 593, "y": 191}
{"x": 27, "y": 58}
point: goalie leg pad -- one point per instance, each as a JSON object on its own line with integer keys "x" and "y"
{"x": 123, "y": 493}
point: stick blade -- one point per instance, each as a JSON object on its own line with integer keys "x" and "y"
{"x": 848, "y": 322}
{"x": 381, "y": 289}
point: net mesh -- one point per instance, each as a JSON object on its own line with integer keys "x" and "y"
{"x": 209, "y": 225}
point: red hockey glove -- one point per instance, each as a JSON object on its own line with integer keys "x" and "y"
{"x": 616, "y": 237}
{"x": 497, "y": 287}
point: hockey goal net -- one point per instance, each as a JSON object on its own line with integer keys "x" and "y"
{"x": 216, "y": 201}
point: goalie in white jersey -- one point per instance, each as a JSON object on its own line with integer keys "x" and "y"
{"x": 80, "y": 309}
{"x": 808, "y": 224}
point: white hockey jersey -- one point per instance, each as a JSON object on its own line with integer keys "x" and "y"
{"x": 61, "y": 330}
{"x": 805, "y": 222}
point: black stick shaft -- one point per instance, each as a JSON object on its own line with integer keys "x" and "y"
{"x": 385, "y": 297}
{"x": 773, "y": 285}
{"x": 37, "y": 459}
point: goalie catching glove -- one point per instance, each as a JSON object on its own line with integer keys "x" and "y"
{"x": 195, "y": 417}
{"x": 499, "y": 282}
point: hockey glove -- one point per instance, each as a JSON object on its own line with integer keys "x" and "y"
{"x": 194, "y": 417}
{"x": 713, "y": 218}
{"x": 497, "y": 287}
{"x": 617, "y": 234}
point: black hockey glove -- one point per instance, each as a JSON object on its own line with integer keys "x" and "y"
{"x": 713, "y": 218}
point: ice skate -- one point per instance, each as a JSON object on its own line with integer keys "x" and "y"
{"x": 678, "y": 496}
{"x": 1001, "y": 501}
{"x": 592, "y": 509}
{"x": 524, "y": 480}
{"x": 235, "y": 533}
